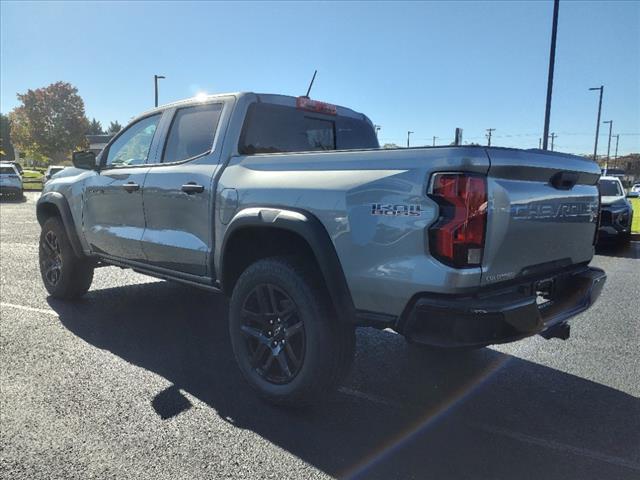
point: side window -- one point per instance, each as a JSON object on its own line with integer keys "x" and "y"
{"x": 132, "y": 147}
{"x": 192, "y": 132}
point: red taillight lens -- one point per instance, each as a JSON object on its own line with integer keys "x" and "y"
{"x": 457, "y": 238}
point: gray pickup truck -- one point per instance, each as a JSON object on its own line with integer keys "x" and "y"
{"x": 288, "y": 206}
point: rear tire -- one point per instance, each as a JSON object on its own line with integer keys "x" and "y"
{"x": 279, "y": 309}
{"x": 65, "y": 275}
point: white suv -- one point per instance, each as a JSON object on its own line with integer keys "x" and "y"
{"x": 10, "y": 181}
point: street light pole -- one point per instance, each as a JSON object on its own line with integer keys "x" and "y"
{"x": 610, "y": 122}
{"x": 553, "y": 137}
{"x": 408, "y": 136}
{"x": 552, "y": 61}
{"x": 434, "y": 140}
{"x": 377, "y": 128}
{"x": 155, "y": 84}
{"x": 615, "y": 155}
{"x": 595, "y": 147}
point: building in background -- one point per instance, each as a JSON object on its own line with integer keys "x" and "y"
{"x": 98, "y": 142}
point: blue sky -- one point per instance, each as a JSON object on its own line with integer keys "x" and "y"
{"x": 426, "y": 67}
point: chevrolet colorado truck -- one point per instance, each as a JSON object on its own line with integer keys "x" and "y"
{"x": 288, "y": 206}
{"x": 616, "y": 212}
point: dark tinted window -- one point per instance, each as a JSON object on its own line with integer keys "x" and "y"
{"x": 7, "y": 171}
{"x": 192, "y": 132}
{"x": 353, "y": 133}
{"x": 609, "y": 188}
{"x": 272, "y": 128}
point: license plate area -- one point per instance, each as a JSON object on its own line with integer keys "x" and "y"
{"x": 545, "y": 292}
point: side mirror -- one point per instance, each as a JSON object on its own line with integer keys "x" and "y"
{"x": 633, "y": 195}
{"x": 84, "y": 160}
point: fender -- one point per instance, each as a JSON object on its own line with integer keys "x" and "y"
{"x": 62, "y": 206}
{"x": 307, "y": 226}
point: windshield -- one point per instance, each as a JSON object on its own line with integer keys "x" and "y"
{"x": 610, "y": 188}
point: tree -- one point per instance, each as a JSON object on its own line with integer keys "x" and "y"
{"x": 50, "y": 122}
{"x": 6, "y": 149}
{"x": 95, "y": 128}
{"x": 390, "y": 145}
{"x": 114, "y": 127}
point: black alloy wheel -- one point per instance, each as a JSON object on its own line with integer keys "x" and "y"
{"x": 52, "y": 259}
{"x": 274, "y": 334}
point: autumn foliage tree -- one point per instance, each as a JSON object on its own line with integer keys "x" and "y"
{"x": 50, "y": 121}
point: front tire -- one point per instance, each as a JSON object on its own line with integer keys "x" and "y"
{"x": 65, "y": 275}
{"x": 289, "y": 345}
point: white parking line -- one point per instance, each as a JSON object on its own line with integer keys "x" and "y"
{"x": 561, "y": 447}
{"x": 46, "y": 311}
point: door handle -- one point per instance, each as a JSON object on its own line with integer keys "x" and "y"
{"x": 131, "y": 187}
{"x": 191, "y": 187}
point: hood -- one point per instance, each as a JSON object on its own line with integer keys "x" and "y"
{"x": 613, "y": 200}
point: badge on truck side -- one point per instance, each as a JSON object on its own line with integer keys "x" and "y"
{"x": 394, "y": 210}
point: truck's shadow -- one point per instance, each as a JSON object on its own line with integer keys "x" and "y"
{"x": 475, "y": 415}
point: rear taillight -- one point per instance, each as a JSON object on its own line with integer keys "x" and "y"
{"x": 457, "y": 238}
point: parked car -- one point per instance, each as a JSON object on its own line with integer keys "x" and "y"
{"x": 51, "y": 171}
{"x": 616, "y": 213}
{"x": 10, "y": 180}
{"x": 17, "y": 165}
{"x": 636, "y": 188}
{"x": 288, "y": 206}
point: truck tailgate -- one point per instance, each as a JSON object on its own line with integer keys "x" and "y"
{"x": 542, "y": 213}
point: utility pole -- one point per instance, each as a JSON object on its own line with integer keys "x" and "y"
{"x": 552, "y": 61}
{"x": 434, "y": 140}
{"x": 540, "y": 143}
{"x": 615, "y": 157}
{"x": 553, "y": 137}
{"x": 489, "y": 130}
{"x": 610, "y": 122}
{"x": 595, "y": 147}
{"x": 155, "y": 84}
{"x": 409, "y": 135}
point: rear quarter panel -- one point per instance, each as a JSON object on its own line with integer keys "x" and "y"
{"x": 384, "y": 257}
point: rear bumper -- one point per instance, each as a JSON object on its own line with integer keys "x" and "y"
{"x": 506, "y": 315}
{"x": 10, "y": 189}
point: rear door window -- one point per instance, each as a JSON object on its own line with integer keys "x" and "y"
{"x": 270, "y": 128}
{"x": 7, "y": 171}
{"x": 192, "y": 132}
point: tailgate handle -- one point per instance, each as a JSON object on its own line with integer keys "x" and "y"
{"x": 564, "y": 180}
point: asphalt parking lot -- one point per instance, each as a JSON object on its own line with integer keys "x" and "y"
{"x": 137, "y": 380}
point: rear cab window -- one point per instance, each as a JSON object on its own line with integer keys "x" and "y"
{"x": 272, "y": 128}
{"x": 7, "y": 171}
